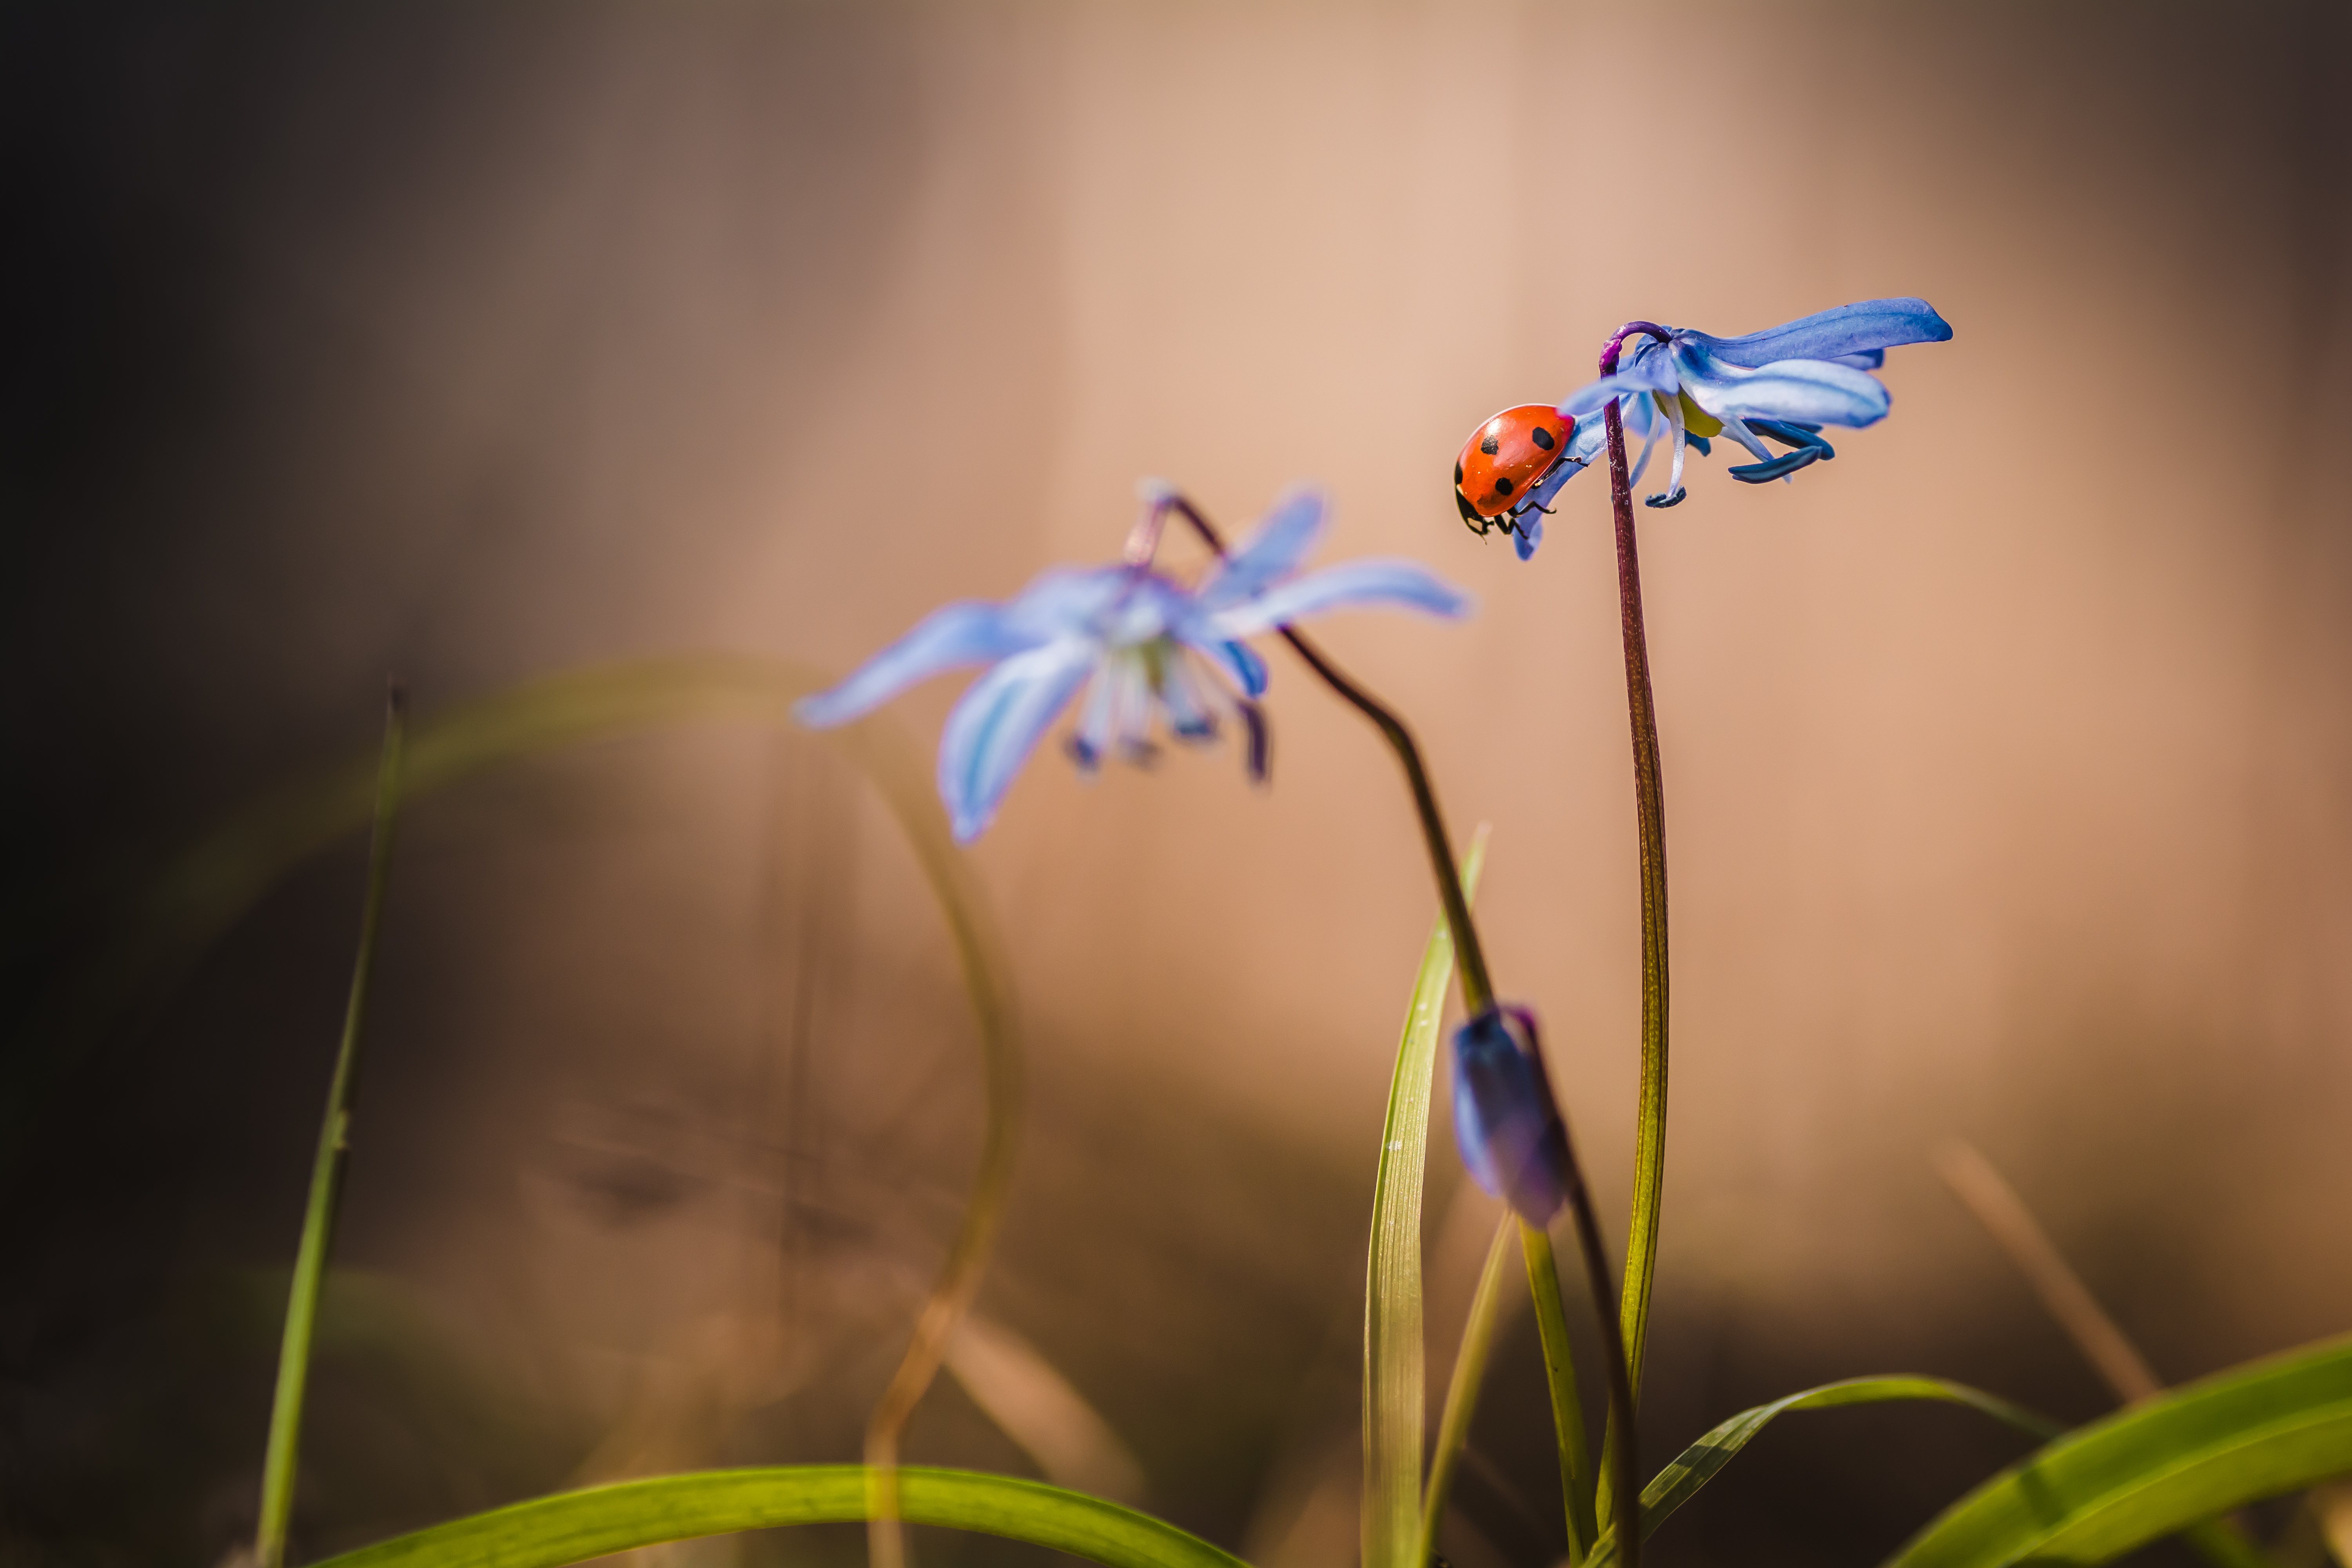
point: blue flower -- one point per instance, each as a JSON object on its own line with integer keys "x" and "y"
{"x": 1505, "y": 1119}
{"x": 1783, "y": 383}
{"x": 1142, "y": 642}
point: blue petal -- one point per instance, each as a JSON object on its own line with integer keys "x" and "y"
{"x": 1404, "y": 584}
{"x": 1855, "y": 329}
{"x": 968, "y": 633}
{"x": 1807, "y": 391}
{"x": 1504, "y": 1121}
{"x": 1587, "y": 398}
{"x": 1530, "y": 535}
{"x": 999, "y": 722}
{"x": 1587, "y": 441}
{"x": 1274, "y": 550}
{"x": 1241, "y": 664}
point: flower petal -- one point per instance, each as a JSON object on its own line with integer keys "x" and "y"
{"x": 1240, "y": 664}
{"x": 1587, "y": 398}
{"x": 1860, "y": 327}
{"x": 1505, "y": 1120}
{"x": 1808, "y": 391}
{"x": 1275, "y": 549}
{"x": 1405, "y": 583}
{"x": 1529, "y": 535}
{"x": 970, "y": 632}
{"x": 999, "y": 722}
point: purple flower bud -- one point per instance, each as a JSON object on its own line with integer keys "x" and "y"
{"x": 1512, "y": 1137}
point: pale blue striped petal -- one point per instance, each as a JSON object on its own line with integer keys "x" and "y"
{"x": 1402, "y": 583}
{"x": 1857, "y": 329}
{"x": 956, "y": 635}
{"x": 1000, "y": 722}
{"x": 1274, "y": 550}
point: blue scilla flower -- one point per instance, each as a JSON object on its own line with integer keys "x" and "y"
{"x": 1505, "y": 1119}
{"x": 1783, "y": 383}
{"x": 1138, "y": 641}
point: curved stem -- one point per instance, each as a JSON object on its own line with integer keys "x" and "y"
{"x": 283, "y": 1453}
{"x": 1650, "y": 811}
{"x": 1477, "y": 988}
{"x": 960, "y": 1278}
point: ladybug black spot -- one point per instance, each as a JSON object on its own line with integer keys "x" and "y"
{"x": 1502, "y": 486}
{"x": 1490, "y": 446}
{"x": 1458, "y": 473}
{"x": 1542, "y": 437}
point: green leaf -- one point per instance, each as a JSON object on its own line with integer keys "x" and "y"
{"x": 1696, "y": 1465}
{"x": 574, "y": 1527}
{"x": 1394, "y": 1374}
{"x": 2157, "y": 1468}
{"x": 1462, "y": 1387}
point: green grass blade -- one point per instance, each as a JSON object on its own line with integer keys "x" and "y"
{"x": 208, "y": 889}
{"x": 1395, "y": 1376}
{"x": 282, "y": 1453}
{"x": 1462, "y": 1387}
{"x": 2157, "y": 1468}
{"x": 574, "y": 1527}
{"x": 1578, "y": 1481}
{"x": 1696, "y": 1465}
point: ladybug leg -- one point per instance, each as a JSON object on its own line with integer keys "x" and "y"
{"x": 1477, "y": 525}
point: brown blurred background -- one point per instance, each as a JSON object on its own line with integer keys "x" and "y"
{"x": 2006, "y": 758}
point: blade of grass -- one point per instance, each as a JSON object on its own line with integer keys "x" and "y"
{"x": 1462, "y": 1386}
{"x": 575, "y": 1526}
{"x": 1578, "y": 1481}
{"x": 213, "y": 884}
{"x": 282, "y": 1454}
{"x": 1395, "y": 1376}
{"x": 2157, "y": 1468}
{"x": 1988, "y": 1196}
{"x": 1996, "y": 1206}
{"x": 1696, "y": 1465}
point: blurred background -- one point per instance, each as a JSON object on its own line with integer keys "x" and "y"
{"x": 2006, "y": 758}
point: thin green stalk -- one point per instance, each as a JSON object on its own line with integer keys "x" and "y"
{"x": 1576, "y": 1483}
{"x": 1650, "y": 813}
{"x": 280, "y": 1460}
{"x": 1462, "y": 1386}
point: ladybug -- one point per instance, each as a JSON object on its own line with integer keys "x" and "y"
{"x": 1504, "y": 460}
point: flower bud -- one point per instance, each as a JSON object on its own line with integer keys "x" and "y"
{"x": 1509, "y": 1129}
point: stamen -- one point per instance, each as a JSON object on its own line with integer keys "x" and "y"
{"x": 1260, "y": 758}
{"x": 1810, "y": 448}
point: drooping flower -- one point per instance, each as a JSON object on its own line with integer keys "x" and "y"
{"x": 1140, "y": 644}
{"x": 1505, "y": 1120}
{"x": 1784, "y": 384}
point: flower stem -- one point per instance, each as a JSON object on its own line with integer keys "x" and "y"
{"x": 1477, "y": 988}
{"x": 1650, "y": 811}
{"x": 283, "y": 1451}
{"x": 1478, "y": 994}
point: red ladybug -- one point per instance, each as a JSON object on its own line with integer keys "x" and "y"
{"x": 1503, "y": 461}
